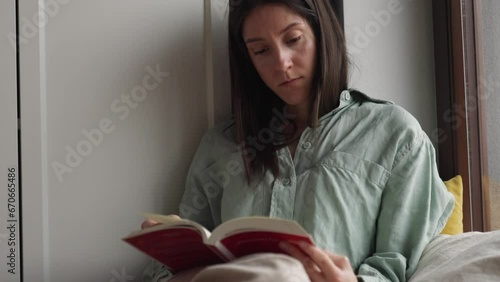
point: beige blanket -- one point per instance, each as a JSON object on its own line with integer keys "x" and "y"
{"x": 472, "y": 256}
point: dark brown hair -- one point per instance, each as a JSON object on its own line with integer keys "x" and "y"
{"x": 253, "y": 102}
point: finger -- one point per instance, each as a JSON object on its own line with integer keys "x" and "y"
{"x": 294, "y": 251}
{"x": 312, "y": 270}
{"x": 148, "y": 223}
{"x": 315, "y": 274}
{"x": 174, "y": 216}
{"x": 321, "y": 259}
{"x": 340, "y": 261}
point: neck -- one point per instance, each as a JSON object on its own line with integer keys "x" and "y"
{"x": 301, "y": 113}
{"x": 301, "y": 123}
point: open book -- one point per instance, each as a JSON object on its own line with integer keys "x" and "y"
{"x": 182, "y": 244}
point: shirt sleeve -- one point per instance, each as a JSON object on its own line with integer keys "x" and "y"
{"x": 194, "y": 206}
{"x": 415, "y": 208}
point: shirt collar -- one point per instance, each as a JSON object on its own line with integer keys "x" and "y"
{"x": 347, "y": 98}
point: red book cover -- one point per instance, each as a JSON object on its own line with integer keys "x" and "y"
{"x": 165, "y": 247}
{"x": 250, "y": 242}
{"x": 183, "y": 244}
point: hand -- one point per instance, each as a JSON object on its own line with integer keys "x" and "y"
{"x": 321, "y": 265}
{"x": 150, "y": 223}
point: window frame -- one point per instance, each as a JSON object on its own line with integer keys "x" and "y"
{"x": 458, "y": 64}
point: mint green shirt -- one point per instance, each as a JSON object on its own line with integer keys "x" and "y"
{"x": 364, "y": 184}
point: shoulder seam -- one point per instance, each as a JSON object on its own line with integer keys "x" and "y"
{"x": 408, "y": 148}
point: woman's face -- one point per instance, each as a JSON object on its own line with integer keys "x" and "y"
{"x": 282, "y": 47}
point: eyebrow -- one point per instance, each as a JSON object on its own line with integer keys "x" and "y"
{"x": 287, "y": 28}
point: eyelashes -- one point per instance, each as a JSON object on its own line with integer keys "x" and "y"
{"x": 293, "y": 40}
{"x": 260, "y": 52}
{"x": 290, "y": 42}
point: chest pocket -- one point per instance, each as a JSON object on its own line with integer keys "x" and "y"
{"x": 357, "y": 167}
{"x": 345, "y": 184}
{"x": 344, "y": 194}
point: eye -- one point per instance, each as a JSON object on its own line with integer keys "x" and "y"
{"x": 291, "y": 41}
{"x": 260, "y": 51}
{"x": 294, "y": 40}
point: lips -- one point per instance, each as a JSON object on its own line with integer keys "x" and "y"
{"x": 290, "y": 81}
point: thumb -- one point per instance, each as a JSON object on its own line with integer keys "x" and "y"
{"x": 148, "y": 223}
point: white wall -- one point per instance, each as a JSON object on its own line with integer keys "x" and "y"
{"x": 74, "y": 72}
{"x": 391, "y": 45}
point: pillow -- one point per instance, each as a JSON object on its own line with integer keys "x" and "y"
{"x": 455, "y": 223}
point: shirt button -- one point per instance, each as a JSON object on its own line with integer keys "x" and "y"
{"x": 345, "y": 95}
{"x": 306, "y": 145}
{"x": 286, "y": 181}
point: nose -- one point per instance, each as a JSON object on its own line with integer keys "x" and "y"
{"x": 284, "y": 59}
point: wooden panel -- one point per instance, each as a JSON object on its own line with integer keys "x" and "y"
{"x": 444, "y": 133}
{"x": 473, "y": 115}
{"x": 481, "y": 105}
{"x": 457, "y": 103}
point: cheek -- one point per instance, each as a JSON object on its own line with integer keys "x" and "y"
{"x": 308, "y": 56}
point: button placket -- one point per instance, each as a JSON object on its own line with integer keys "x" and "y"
{"x": 306, "y": 145}
{"x": 286, "y": 181}
{"x": 283, "y": 193}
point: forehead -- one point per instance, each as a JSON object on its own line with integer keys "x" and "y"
{"x": 270, "y": 18}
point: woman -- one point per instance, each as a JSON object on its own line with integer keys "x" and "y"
{"x": 357, "y": 173}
